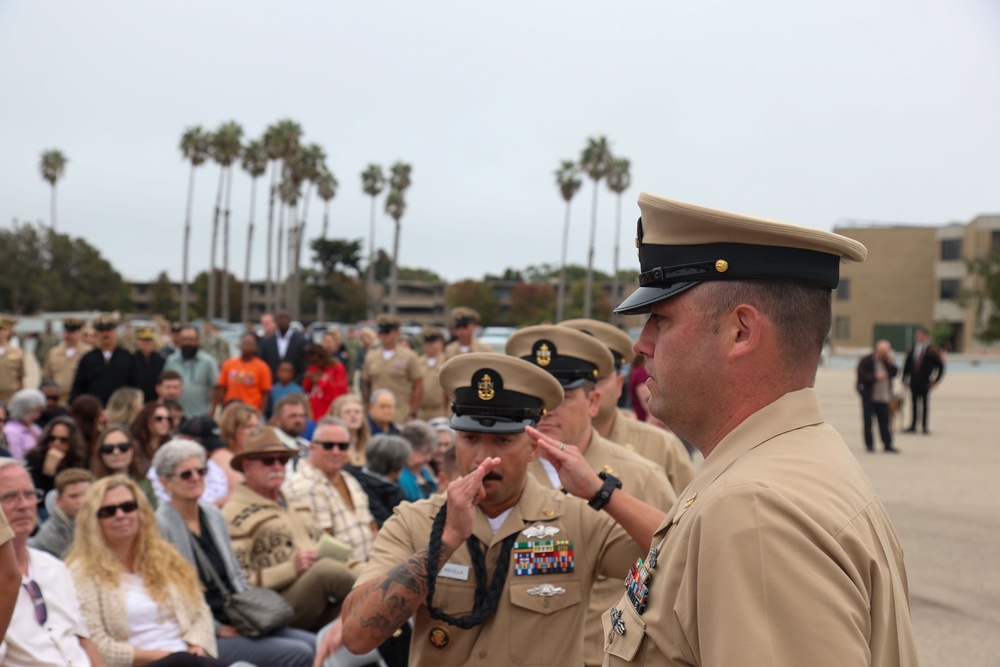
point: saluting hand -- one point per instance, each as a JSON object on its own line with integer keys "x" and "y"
{"x": 463, "y": 496}
{"x": 575, "y": 473}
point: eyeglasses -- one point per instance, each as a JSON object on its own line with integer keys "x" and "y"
{"x": 35, "y": 593}
{"x": 34, "y": 496}
{"x": 109, "y": 511}
{"x": 59, "y": 438}
{"x": 112, "y": 447}
{"x": 328, "y": 446}
{"x": 161, "y": 418}
{"x": 188, "y": 475}
{"x": 269, "y": 461}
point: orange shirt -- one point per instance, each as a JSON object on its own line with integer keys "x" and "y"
{"x": 247, "y": 381}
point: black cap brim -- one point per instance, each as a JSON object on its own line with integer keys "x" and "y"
{"x": 490, "y": 424}
{"x": 641, "y": 300}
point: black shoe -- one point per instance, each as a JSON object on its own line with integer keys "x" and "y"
{"x": 911, "y": 430}
{"x": 891, "y": 450}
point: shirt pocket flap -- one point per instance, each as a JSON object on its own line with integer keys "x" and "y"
{"x": 545, "y": 597}
{"x": 624, "y": 645}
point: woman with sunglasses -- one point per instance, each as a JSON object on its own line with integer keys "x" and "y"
{"x": 351, "y": 409}
{"x": 59, "y": 447}
{"x": 114, "y": 454}
{"x": 189, "y": 525}
{"x": 150, "y": 429}
{"x": 141, "y": 600}
{"x": 237, "y": 421}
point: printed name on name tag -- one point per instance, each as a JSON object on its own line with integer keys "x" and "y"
{"x": 454, "y": 571}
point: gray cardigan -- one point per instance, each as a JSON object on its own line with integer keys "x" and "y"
{"x": 55, "y": 535}
{"x": 176, "y": 532}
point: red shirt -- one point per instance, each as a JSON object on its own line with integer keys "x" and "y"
{"x": 324, "y": 385}
{"x": 247, "y": 381}
{"x": 637, "y": 377}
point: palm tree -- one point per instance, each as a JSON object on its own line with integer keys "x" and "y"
{"x": 568, "y": 180}
{"x": 225, "y": 149}
{"x": 395, "y": 206}
{"x": 254, "y": 162}
{"x": 594, "y": 161}
{"x": 372, "y": 182}
{"x": 289, "y": 192}
{"x": 326, "y": 189}
{"x": 311, "y": 162}
{"x": 52, "y": 165}
{"x": 280, "y": 139}
{"x": 194, "y": 148}
{"x": 619, "y": 178}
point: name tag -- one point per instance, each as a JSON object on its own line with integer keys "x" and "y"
{"x": 454, "y": 571}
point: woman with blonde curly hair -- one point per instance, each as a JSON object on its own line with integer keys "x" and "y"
{"x": 141, "y": 599}
{"x": 351, "y": 409}
{"x": 236, "y": 423}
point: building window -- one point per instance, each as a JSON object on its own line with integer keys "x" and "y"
{"x": 842, "y": 327}
{"x": 995, "y": 236}
{"x": 844, "y": 290}
{"x": 951, "y": 249}
{"x": 950, "y": 289}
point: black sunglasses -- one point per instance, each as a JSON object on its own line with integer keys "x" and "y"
{"x": 328, "y": 446}
{"x": 188, "y": 475}
{"x": 162, "y": 418}
{"x": 269, "y": 461}
{"x": 58, "y": 438}
{"x": 116, "y": 446}
{"x": 109, "y": 511}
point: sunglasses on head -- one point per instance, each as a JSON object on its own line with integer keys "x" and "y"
{"x": 188, "y": 475}
{"x": 328, "y": 446}
{"x": 112, "y": 447}
{"x": 109, "y": 511}
{"x": 269, "y": 461}
{"x": 37, "y": 601}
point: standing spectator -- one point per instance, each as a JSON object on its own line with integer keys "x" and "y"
{"x": 351, "y": 410}
{"x": 395, "y": 368}
{"x": 284, "y": 385}
{"x": 385, "y": 458}
{"x": 463, "y": 328}
{"x": 244, "y": 378}
{"x": 198, "y": 372}
{"x": 139, "y": 597}
{"x": 21, "y": 431}
{"x": 151, "y": 428}
{"x": 417, "y": 479}
{"x": 366, "y": 338}
{"x": 875, "y": 374}
{"x": 47, "y": 584}
{"x": 285, "y": 344}
{"x": 45, "y": 341}
{"x": 146, "y": 363}
{"x": 12, "y": 368}
{"x": 433, "y": 403}
{"x": 381, "y": 410}
{"x": 53, "y": 408}
{"x": 56, "y": 534}
{"x": 267, "y": 325}
{"x": 214, "y": 344}
{"x": 88, "y": 335}
{"x": 189, "y": 524}
{"x": 105, "y": 368}
{"x": 88, "y": 414}
{"x": 115, "y": 453}
{"x": 171, "y": 342}
{"x": 333, "y": 344}
{"x": 275, "y": 541}
{"x": 325, "y": 379}
{"x": 922, "y": 371}
{"x": 61, "y": 361}
{"x": 60, "y": 446}
{"x": 123, "y": 405}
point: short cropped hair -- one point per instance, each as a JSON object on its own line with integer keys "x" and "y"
{"x": 171, "y": 453}
{"x": 72, "y": 476}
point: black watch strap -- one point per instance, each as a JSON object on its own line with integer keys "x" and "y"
{"x": 604, "y": 495}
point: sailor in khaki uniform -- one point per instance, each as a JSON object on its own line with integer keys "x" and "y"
{"x": 12, "y": 369}
{"x": 463, "y": 328}
{"x": 395, "y": 368}
{"x": 577, "y": 360}
{"x": 61, "y": 361}
{"x": 434, "y": 402}
{"x": 513, "y": 561}
{"x": 653, "y": 443}
{"x": 778, "y": 552}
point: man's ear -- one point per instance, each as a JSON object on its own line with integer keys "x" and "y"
{"x": 744, "y": 328}
{"x": 594, "y": 402}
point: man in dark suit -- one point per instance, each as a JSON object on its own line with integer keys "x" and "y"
{"x": 875, "y": 374}
{"x": 922, "y": 371}
{"x": 105, "y": 368}
{"x": 285, "y": 344}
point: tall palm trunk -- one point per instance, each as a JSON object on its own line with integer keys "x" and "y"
{"x": 588, "y": 284}
{"x": 371, "y": 265}
{"x": 393, "y": 303}
{"x": 245, "y": 308}
{"x": 214, "y": 247}
{"x": 280, "y": 291}
{"x": 225, "y": 247}
{"x": 270, "y": 235}
{"x": 53, "y": 204}
{"x": 561, "y": 302}
{"x": 320, "y": 314}
{"x": 299, "y": 236}
{"x": 187, "y": 249}
{"x": 615, "y": 296}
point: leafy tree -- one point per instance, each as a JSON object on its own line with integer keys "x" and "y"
{"x": 419, "y": 274}
{"x": 162, "y": 299}
{"x": 594, "y": 160}
{"x": 531, "y": 303}
{"x": 568, "y": 180}
{"x": 578, "y": 303}
{"x": 372, "y": 183}
{"x": 194, "y": 148}
{"x": 52, "y": 166}
{"x": 985, "y": 296}
{"x": 200, "y": 288}
{"x": 473, "y": 294}
{"x": 338, "y": 255}
{"x": 508, "y": 274}
{"x": 382, "y": 266}
{"x": 338, "y": 285}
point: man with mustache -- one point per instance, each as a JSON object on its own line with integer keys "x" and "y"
{"x": 498, "y": 570}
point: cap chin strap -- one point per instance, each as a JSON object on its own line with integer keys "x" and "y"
{"x": 487, "y": 595}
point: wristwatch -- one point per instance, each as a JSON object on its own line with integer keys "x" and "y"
{"x": 604, "y": 495}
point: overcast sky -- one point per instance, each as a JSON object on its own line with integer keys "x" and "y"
{"x": 807, "y": 112}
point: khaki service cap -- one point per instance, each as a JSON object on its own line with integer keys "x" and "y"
{"x": 572, "y": 356}
{"x": 619, "y": 342}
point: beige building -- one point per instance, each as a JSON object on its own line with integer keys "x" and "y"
{"x": 913, "y": 276}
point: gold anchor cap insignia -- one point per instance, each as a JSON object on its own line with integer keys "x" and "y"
{"x": 690, "y": 501}
{"x": 543, "y": 356}
{"x": 486, "y": 391}
{"x": 721, "y": 265}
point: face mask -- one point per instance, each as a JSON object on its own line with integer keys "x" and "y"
{"x": 188, "y": 351}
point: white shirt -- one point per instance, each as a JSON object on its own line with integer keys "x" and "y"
{"x": 57, "y": 643}
{"x": 283, "y": 341}
{"x": 148, "y": 627}
{"x": 497, "y": 521}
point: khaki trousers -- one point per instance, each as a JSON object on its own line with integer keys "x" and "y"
{"x": 316, "y": 596}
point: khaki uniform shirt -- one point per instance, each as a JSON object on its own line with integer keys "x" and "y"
{"x": 397, "y": 374}
{"x": 526, "y": 628}
{"x": 60, "y": 367}
{"x": 639, "y": 479}
{"x": 6, "y": 534}
{"x": 780, "y": 554}
{"x": 656, "y": 444}
{"x": 432, "y": 404}
{"x": 12, "y": 371}
{"x": 454, "y": 348}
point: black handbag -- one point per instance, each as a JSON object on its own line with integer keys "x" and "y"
{"x": 254, "y": 612}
